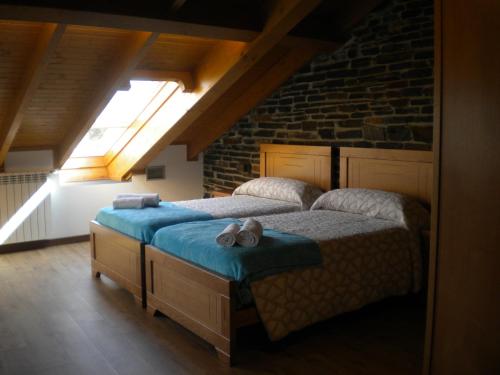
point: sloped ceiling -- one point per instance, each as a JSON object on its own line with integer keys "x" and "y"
{"x": 61, "y": 62}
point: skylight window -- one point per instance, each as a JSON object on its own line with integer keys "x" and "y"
{"x": 120, "y": 114}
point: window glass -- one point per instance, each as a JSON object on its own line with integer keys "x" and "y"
{"x": 119, "y": 114}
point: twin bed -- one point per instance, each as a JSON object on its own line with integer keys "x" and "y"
{"x": 354, "y": 247}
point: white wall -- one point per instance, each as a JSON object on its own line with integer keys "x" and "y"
{"x": 73, "y": 205}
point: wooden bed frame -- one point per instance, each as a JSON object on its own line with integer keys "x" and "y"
{"x": 204, "y": 302}
{"x": 121, "y": 258}
{"x": 401, "y": 171}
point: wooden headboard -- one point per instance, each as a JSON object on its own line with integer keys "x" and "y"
{"x": 401, "y": 171}
{"x": 312, "y": 164}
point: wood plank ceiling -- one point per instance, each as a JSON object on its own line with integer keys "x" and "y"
{"x": 60, "y": 67}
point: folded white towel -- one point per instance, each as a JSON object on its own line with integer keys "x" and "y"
{"x": 150, "y": 199}
{"x": 227, "y": 237}
{"x": 250, "y": 233}
{"x": 128, "y": 202}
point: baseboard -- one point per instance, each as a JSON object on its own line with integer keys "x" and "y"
{"x": 40, "y": 244}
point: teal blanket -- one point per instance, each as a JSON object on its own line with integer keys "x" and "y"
{"x": 277, "y": 252}
{"x": 143, "y": 223}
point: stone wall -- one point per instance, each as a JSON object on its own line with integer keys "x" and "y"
{"x": 376, "y": 91}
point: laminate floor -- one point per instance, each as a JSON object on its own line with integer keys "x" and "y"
{"x": 56, "y": 319}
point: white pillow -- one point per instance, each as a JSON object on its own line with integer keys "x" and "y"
{"x": 283, "y": 189}
{"x": 375, "y": 203}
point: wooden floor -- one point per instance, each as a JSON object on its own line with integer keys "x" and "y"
{"x": 56, "y": 319}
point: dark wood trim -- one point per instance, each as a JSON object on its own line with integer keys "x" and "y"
{"x": 436, "y": 148}
{"x": 40, "y": 244}
{"x": 144, "y": 293}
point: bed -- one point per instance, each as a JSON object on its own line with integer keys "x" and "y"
{"x": 209, "y": 303}
{"x": 118, "y": 240}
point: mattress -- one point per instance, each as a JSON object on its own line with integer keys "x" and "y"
{"x": 142, "y": 224}
{"x": 364, "y": 260}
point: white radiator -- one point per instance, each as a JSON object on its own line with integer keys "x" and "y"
{"x": 15, "y": 190}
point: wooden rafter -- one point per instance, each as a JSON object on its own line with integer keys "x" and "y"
{"x": 82, "y": 18}
{"x": 46, "y": 45}
{"x": 223, "y": 116}
{"x": 125, "y": 64}
{"x": 285, "y": 15}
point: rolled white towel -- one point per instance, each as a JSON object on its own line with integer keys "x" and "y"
{"x": 227, "y": 237}
{"x": 250, "y": 233}
{"x": 150, "y": 199}
{"x": 128, "y": 202}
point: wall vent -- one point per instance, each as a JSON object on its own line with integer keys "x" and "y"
{"x": 156, "y": 172}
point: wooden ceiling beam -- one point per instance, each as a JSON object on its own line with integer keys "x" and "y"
{"x": 285, "y": 15}
{"x": 223, "y": 116}
{"x": 120, "y": 72}
{"x": 84, "y": 18}
{"x": 46, "y": 45}
{"x": 95, "y": 19}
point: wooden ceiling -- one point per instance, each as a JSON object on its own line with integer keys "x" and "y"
{"x": 60, "y": 67}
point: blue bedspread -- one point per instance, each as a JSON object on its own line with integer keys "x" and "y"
{"x": 277, "y": 252}
{"x": 142, "y": 224}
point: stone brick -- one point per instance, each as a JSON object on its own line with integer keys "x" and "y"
{"x": 349, "y": 134}
{"x": 351, "y": 123}
{"x": 309, "y": 125}
{"x": 374, "y": 120}
{"x": 412, "y": 91}
{"x": 427, "y": 109}
{"x": 360, "y": 114}
{"x": 232, "y": 140}
{"x": 417, "y": 73}
{"x": 331, "y": 83}
{"x": 372, "y": 70}
{"x": 393, "y": 57}
{"x": 370, "y": 51}
{"x": 294, "y": 126}
{"x": 309, "y": 77}
{"x": 422, "y": 133}
{"x": 394, "y": 47}
{"x": 406, "y": 110}
{"x": 270, "y": 125}
{"x": 361, "y": 63}
{"x": 263, "y": 133}
{"x": 422, "y": 82}
{"x": 373, "y": 133}
{"x": 326, "y": 133}
{"x": 398, "y": 133}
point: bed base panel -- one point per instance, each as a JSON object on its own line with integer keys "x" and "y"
{"x": 119, "y": 258}
{"x": 197, "y": 299}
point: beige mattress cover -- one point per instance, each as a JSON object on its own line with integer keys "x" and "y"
{"x": 364, "y": 260}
